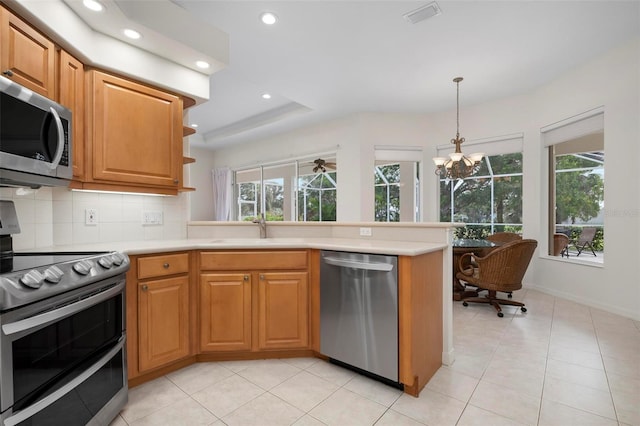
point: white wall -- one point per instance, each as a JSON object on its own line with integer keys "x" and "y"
{"x": 200, "y": 178}
{"x": 611, "y": 80}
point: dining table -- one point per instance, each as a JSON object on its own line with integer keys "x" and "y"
{"x": 461, "y": 246}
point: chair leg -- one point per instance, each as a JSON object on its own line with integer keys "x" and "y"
{"x": 494, "y": 301}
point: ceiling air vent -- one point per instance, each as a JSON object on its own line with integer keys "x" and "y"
{"x": 425, "y": 12}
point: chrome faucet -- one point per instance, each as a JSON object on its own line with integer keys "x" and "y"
{"x": 263, "y": 226}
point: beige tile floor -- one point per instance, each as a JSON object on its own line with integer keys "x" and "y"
{"x": 561, "y": 363}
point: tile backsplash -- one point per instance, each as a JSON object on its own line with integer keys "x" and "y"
{"x": 56, "y": 216}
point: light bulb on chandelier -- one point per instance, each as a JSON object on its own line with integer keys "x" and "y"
{"x": 457, "y": 166}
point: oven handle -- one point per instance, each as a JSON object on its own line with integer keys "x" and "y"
{"x": 50, "y": 399}
{"x": 63, "y": 312}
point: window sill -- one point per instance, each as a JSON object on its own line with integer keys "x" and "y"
{"x": 574, "y": 260}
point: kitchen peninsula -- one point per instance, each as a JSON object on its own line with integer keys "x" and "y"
{"x": 223, "y": 293}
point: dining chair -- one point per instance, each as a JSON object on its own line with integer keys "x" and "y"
{"x": 501, "y": 270}
{"x": 560, "y": 245}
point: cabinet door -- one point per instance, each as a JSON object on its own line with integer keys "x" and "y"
{"x": 26, "y": 56}
{"x": 163, "y": 321}
{"x": 283, "y": 310}
{"x": 72, "y": 97}
{"x": 136, "y": 135}
{"x": 225, "y": 312}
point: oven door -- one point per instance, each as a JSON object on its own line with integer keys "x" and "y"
{"x": 65, "y": 362}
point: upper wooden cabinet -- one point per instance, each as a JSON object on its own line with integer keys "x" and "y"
{"x": 26, "y": 56}
{"x": 72, "y": 96}
{"x": 134, "y": 137}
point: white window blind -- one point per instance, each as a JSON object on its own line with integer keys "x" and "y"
{"x": 496, "y": 145}
{"x": 574, "y": 127}
{"x": 398, "y": 153}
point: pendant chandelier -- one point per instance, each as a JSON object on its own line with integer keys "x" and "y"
{"x": 457, "y": 166}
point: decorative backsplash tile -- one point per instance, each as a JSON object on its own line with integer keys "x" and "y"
{"x": 56, "y": 216}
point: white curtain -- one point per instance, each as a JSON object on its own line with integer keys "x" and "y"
{"x": 221, "y": 193}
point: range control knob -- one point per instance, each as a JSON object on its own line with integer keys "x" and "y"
{"x": 83, "y": 267}
{"x": 53, "y": 274}
{"x": 105, "y": 262}
{"x": 32, "y": 279}
{"x": 117, "y": 258}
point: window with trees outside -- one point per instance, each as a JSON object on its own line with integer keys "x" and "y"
{"x": 489, "y": 201}
{"x": 397, "y": 191}
{"x": 317, "y": 197}
{"x": 577, "y": 185}
{"x": 286, "y": 192}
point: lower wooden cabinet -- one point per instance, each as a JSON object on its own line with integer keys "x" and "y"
{"x": 160, "y": 317}
{"x": 283, "y": 312}
{"x": 225, "y": 312}
{"x": 254, "y": 300}
{"x": 163, "y": 322}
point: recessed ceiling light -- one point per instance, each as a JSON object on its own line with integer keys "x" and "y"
{"x": 202, "y": 64}
{"x": 424, "y": 12}
{"x": 194, "y": 125}
{"x": 268, "y": 18}
{"x": 266, "y": 96}
{"x": 93, "y": 5}
{"x": 132, "y": 33}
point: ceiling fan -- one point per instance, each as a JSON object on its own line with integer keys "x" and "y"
{"x": 323, "y": 165}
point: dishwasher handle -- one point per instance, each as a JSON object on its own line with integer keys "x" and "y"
{"x": 385, "y": 267}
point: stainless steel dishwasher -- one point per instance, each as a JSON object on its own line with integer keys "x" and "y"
{"x": 359, "y": 311}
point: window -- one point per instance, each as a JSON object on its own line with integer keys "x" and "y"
{"x": 287, "y": 191}
{"x": 387, "y": 193}
{"x": 397, "y": 191}
{"x": 489, "y": 201}
{"x": 576, "y": 184}
{"x": 578, "y": 187}
{"x": 317, "y": 197}
{"x": 248, "y": 189}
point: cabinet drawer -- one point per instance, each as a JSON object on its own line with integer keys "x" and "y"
{"x": 166, "y": 264}
{"x": 252, "y": 260}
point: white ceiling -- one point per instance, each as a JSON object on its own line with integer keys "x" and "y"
{"x": 327, "y": 59}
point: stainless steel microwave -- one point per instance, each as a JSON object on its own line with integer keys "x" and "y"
{"x": 35, "y": 138}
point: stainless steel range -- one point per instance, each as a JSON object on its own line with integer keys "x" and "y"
{"x": 62, "y": 336}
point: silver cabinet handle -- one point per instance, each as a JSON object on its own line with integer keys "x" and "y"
{"x": 262, "y": 277}
{"x": 166, "y": 266}
{"x": 145, "y": 287}
{"x": 246, "y": 277}
{"x": 385, "y": 267}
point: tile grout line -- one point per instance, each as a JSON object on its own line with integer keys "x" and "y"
{"x": 604, "y": 366}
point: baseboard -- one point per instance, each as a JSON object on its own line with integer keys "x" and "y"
{"x": 448, "y": 357}
{"x": 632, "y": 314}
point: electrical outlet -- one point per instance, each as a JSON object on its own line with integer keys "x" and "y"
{"x": 90, "y": 216}
{"x": 365, "y": 232}
{"x": 152, "y": 218}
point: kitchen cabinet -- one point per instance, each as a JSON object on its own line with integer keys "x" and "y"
{"x": 26, "y": 56}
{"x": 254, "y": 300}
{"x": 158, "y": 311}
{"x": 283, "y": 312}
{"x": 225, "y": 312}
{"x": 71, "y": 83}
{"x": 134, "y": 137}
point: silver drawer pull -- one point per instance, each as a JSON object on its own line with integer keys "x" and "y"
{"x": 166, "y": 266}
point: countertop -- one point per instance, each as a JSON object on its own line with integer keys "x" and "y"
{"x": 402, "y": 248}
